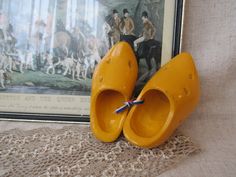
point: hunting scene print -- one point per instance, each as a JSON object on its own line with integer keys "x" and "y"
{"x": 53, "y": 46}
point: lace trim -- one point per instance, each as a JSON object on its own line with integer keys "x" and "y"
{"x": 73, "y": 151}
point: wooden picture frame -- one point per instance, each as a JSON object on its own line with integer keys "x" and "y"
{"x": 49, "y": 49}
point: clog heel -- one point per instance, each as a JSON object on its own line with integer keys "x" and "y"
{"x": 112, "y": 85}
{"x": 169, "y": 97}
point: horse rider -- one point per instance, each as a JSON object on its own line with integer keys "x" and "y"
{"x": 115, "y": 27}
{"x": 127, "y": 24}
{"x": 149, "y": 31}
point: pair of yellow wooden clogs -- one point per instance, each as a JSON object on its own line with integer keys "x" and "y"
{"x": 168, "y": 98}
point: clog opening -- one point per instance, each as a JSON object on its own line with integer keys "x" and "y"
{"x": 148, "y": 119}
{"x": 107, "y": 102}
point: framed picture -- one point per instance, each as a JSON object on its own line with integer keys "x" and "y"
{"x": 50, "y": 48}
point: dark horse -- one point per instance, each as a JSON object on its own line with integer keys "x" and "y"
{"x": 147, "y": 50}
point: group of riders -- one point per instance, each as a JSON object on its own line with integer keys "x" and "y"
{"x": 122, "y": 29}
{"x": 117, "y": 28}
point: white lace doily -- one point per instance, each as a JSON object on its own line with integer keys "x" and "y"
{"x": 73, "y": 151}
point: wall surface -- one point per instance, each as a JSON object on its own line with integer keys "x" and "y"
{"x": 210, "y": 36}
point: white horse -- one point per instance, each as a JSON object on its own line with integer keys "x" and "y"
{"x": 91, "y": 58}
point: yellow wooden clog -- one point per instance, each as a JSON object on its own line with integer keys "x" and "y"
{"x": 169, "y": 97}
{"x": 112, "y": 84}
